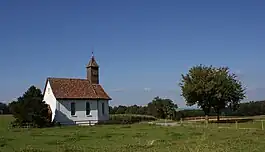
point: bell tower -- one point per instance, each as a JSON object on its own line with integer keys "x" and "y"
{"x": 93, "y": 71}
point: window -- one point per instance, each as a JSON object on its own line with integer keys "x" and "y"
{"x": 58, "y": 106}
{"x": 87, "y": 108}
{"x": 103, "y": 109}
{"x": 72, "y": 108}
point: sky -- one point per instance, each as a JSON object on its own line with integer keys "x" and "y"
{"x": 141, "y": 46}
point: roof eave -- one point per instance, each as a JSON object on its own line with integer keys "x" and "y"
{"x": 83, "y": 98}
{"x": 46, "y": 82}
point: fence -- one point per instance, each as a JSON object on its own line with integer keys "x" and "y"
{"x": 236, "y": 124}
{"x": 199, "y": 118}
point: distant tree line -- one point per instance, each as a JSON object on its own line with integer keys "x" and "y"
{"x": 251, "y": 108}
{"x": 158, "y": 107}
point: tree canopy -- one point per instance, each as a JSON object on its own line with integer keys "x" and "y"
{"x": 29, "y": 109}
{"x": 161, "y": 108}
{"x": 211, "y": 87}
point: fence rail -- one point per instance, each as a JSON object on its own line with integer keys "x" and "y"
{"x": 251, "y": 125}
{"x": 225, "y": 117}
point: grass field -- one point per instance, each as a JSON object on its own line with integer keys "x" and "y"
{"x": 137, "y": 137}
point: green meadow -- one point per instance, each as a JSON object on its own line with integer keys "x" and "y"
{"x": 137, "y": 137}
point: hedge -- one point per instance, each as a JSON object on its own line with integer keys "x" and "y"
{"x": 128, "y": 119}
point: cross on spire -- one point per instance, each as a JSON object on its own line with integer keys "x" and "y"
{"x": 92, "y": 54}
{"x": 92, "y": 51}
{"x": 92, "y": 62}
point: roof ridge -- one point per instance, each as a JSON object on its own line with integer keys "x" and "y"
{"x": 67, "y": 78}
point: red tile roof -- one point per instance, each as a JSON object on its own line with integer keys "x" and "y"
{"x": 69, "y": 88}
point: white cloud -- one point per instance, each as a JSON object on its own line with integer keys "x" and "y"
{"x": 147, "y": 89}
{"x": 118, "y": 90}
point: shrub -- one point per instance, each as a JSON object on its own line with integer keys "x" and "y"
{"x": 128, "y": 119}
{"x": 29, "y": 110}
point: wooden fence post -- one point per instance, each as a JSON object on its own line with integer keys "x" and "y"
{"x": 262, "y": 126}
{"x": 181, "y": 121}
{"x": 236, "y": 125}
{"x": 206, "y": 120}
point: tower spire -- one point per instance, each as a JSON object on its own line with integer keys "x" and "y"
{"x": 92, "y": 70}
{"x": 92, "y": 62}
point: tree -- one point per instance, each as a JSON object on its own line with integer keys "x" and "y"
{"x": 161, "y": 108}
{"x": 132, "y": 109}
{"x": 142, "y": 110}
{"x": 4, "y": 108}
{"x": 30, "y": 109}
{"x": 210, "y": 87}
{"x": 121, "y": 110}
{"x": 229, "y": 91}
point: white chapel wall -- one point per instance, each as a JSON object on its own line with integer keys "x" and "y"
{"x": 50, "y": 99}
{"x": 63, "y": 114}
{"x": 103, "y": 116}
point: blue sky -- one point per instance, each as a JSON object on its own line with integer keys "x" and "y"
{"x": 142, "y": 46}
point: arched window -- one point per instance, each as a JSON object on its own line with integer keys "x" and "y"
{"x": 87, "y": 108}
{"x": 103, "y": 108}
{"x": 72, "y": 108}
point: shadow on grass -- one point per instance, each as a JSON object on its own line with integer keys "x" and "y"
{"x": 4, "y": 141}
{"x": 69, "y": 139}
{"x": 139, "y": 135}
{"x": 111, "y": 135}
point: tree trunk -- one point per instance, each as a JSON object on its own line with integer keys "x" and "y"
{"x": 206, "y": 119}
